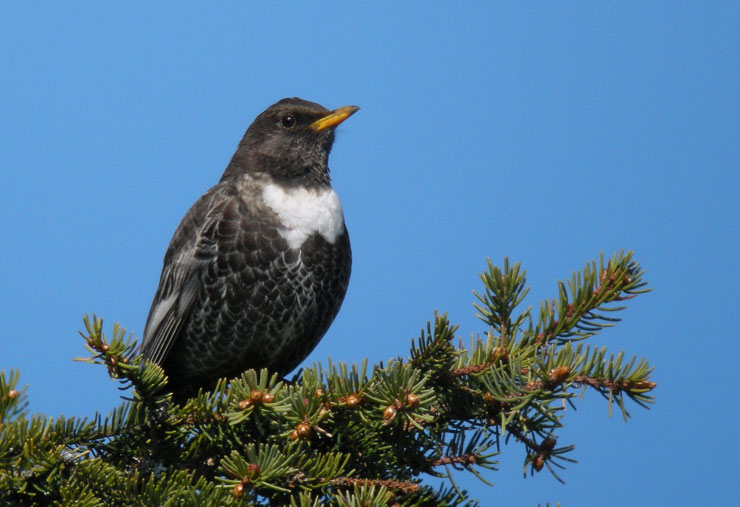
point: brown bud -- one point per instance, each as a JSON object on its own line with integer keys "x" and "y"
{"x": 548, "y": 444}
{"x": 642, "y": 385}
{"x": 244, "y": 404}
{"x": 255, "y": 397}
{"x": 125, "y": 360}
{"x": 12, "y": 394}
{"x": 268, "y": 398}
{"x": 113, "y": 361}
{"x": 412, "y": 400}
{"x": 539, "y": 462}
{"x": 352, "y": 400}
{"x": 389, "y": 413}
{"x": 319, "y": 393}
{"x": 500, "y": 353}
{"x": 294, "y": 435}
{"x": 104, "y": 347}
{"x": 488, "y": 397}
{"x": 238, "y": 490}
{"x": 303, "y": 430}
{"x": 253, "y": 470}
{"x": 560, "y": 374}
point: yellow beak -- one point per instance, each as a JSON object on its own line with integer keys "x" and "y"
{"x": 334, "y": 118}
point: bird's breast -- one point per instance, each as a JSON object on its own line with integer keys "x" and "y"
{"x": 305, "y": 211}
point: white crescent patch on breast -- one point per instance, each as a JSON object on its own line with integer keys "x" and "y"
{"x": 304, "y": 211}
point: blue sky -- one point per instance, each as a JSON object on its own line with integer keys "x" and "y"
{"x": 539, "y": 131}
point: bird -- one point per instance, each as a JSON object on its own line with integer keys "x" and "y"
{"x": 258, "y": 267}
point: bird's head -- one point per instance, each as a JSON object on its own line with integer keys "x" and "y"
{"x": 290, "y": 142}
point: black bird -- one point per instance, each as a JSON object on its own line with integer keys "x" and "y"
{"x": 258, "y": 268}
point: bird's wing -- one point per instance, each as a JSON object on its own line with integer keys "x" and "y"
{"x": 178, "y": 288}
{"x": 191, "y": 249}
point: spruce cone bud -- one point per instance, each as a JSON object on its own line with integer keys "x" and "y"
{"x": 548, "y": 444}
{"x": 303, "y": 430}
{"x": 642, "y": 384}
{"x": 500, "y": 353}
{"x": 352, "y": 400}
{"x": 268, "y": 398}
{"x": 238, "y": 490}
{"x": 412, "y": 400}
{"x": 560, "y": 374}
{"x": 389, "y": 413}
{"x": 539, "y": 463}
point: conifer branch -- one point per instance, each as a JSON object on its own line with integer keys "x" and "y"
{"x": 405, "y": 487}
{"x": 351, "y": 434}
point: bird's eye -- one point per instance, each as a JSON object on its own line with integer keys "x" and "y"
{"x": 287, "y": 122}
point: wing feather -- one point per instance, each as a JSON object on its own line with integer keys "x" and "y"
{"x": 189, "y": 253}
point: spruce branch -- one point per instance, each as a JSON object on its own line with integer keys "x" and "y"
{"x": 401, "y": 486}
{"x": 338, "y": 433}
{"x": 13, "y": 401}
{"x": 504, "y": 292}
{"x": 581, "y": 307}
{"x": 370, "y": 492}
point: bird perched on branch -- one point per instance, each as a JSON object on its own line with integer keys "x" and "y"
{"x": 258, "y": 268}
